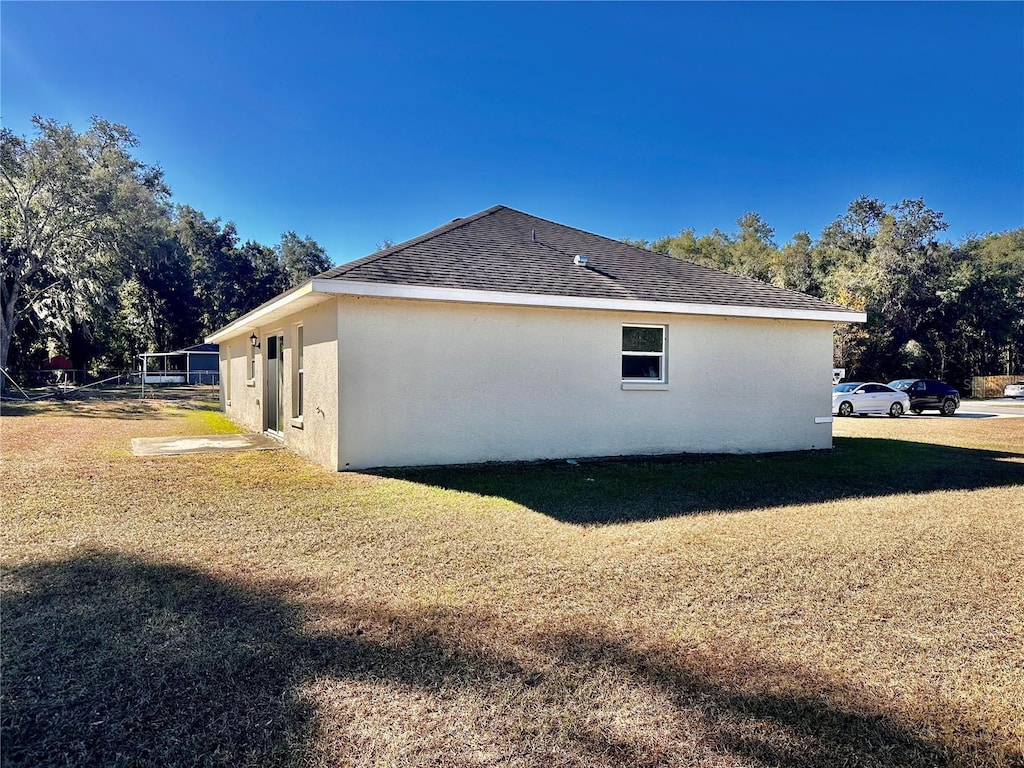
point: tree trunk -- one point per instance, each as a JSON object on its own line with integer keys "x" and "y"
{"x": 8, "y": 319}
{"x": 6, "y": 334}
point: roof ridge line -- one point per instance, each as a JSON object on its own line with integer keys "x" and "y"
{"x": 582, "y": 231}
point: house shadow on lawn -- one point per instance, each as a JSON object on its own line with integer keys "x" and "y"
{"x": 595, "y": 492}
{"x": 111, "y": 660}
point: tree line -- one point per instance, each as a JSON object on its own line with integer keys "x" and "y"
{"x": 934, "y": 308}
{"x": 99, "y": 264}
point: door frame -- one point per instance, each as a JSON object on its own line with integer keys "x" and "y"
{"x": 278, "y": 336}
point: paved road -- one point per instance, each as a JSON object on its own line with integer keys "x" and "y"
{"x": 1000, "y": 406}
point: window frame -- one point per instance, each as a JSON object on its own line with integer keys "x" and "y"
{"x": 250, "y": 366}
{"x": 227, "y": 374}
{"x": 298, "y": 373}
{"x": 642, "y": 382}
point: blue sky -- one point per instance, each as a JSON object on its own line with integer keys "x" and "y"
{"x": 353, "y": 123}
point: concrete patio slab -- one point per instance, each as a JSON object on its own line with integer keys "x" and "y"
{"x": 170, "y": 446}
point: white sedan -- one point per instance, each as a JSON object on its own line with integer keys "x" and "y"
{"x": 851, "y": 398}
{"x": 1014, "y": 390}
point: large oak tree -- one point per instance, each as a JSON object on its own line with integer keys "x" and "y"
{"x": 70, "y": 207}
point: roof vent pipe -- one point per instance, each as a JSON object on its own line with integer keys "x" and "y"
{"x": 533, "y": 236}
{"x": 581, "y": 259}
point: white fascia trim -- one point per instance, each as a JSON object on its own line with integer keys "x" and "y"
{"x": 251, "y": 320}
{"x": 430, "y": 293}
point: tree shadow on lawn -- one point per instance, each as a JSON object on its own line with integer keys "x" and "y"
{"x": 119, "y": 407}
{"x": 112, "y": 661}
{"x": 595, "y": 492}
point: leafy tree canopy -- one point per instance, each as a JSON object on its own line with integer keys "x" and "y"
{"x": 98, "y": 264}
{"x": 72, "y": 205}
{"x": 934, "y": 308}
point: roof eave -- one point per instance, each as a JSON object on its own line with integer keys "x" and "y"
{"x": 508, "y": 298}
{"x": 298, "y": 298}
{"x": 319, "y": 289}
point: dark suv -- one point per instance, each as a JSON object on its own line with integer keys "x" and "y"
{"x": 929, "y": 395}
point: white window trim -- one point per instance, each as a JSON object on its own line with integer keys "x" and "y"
{"x": 644, "y": 383}
{"x": 227, "y": 374}
{"x": 298, "y": 376}
{"x": 636, "y": 385}
{"x": 250, "y": 366}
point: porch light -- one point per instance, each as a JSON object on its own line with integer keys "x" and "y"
{"x": 254, "y": 340}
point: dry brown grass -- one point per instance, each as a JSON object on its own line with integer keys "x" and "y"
{"x": 856, "y": 608}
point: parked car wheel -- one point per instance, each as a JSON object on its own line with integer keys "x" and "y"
{"x": 896, "y": 410}
{"x": 845, "y": 409}
{"x": 948, "y": 407}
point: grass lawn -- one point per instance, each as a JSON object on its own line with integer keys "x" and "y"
{"x": 859, "y": 607}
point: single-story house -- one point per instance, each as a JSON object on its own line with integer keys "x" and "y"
{"x": 502, "y": 336}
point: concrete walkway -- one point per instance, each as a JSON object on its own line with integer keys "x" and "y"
{"x": 169, "y": 446}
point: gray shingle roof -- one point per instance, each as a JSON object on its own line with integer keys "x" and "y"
{"x": 494, "y": 251}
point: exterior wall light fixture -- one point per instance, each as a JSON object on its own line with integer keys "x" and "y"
{"x": 254, "y": 340}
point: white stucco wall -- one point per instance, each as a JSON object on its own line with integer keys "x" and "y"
{"x": 315, "y": 435}
{"x": 431, "y": 383}
{"x": 240, "y": 397}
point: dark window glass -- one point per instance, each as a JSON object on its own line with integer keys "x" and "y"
{"x": 643, "y": 339}
{"x": 641, "y": 366}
